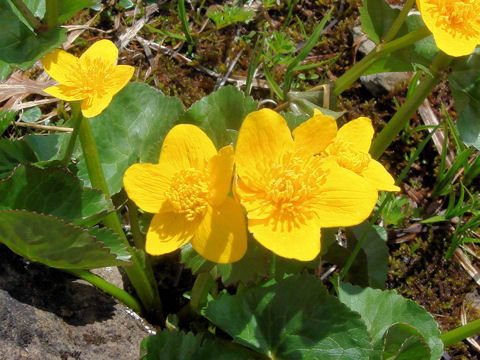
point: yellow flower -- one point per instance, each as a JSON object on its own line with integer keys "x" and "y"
{"x": 349, "y": 148}
{"x": 289, "y": 191}
{"x": 455, "y": 24}
{"x": 187, "y": 191}
{"x": 93, "y": 78}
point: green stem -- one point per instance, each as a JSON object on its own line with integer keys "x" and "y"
{"x": 453, "y": 336}
{"x": 27, "y": 14}
{"x": 397, "y": 24}
{"x": 107, "y": 287}
{"x": 357, "y": 70}
{"x": 140, "y": 272}
{"x": 404, "y": 114}
{"x": 51, "y": 13}
{"x": 138, "y": 239}
{"x": 76, "y": 119}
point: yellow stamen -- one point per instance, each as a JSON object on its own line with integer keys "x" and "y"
{"x": 355, "y": 161}
{"x": 188, "y": 193}
{"x": 457, "y": 17}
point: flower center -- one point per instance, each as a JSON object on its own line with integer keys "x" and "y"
{"x": 347, "y": 158}
{"x": 188, "y": 193}
{"x": 458, "y": 17}
{"x": 291, "y": 183}
{"x": 94, "y": 75}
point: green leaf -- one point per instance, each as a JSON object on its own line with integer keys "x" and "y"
{"x": 404, "y": 342}
{"x": 32, "y": 114}
{"x": 248, "y": 269}
{"x": 220, "y": 114}
{"x": 5, "y": 71}
{"x": 37, "y": 7}
{"x": 381, "y": 309}
{"x": 464, "y": 83}
{"x": 53, "y": 191}
{"x": 293, "y": 319}
{"x": 229, "y": 15}
{"x": 13, "y": 153}
{"x": 376, "y": 251}
{"x": 377, "y": 17}
{"x": 6, "y": 117}
{"x": 410, "y": 58}
{"x": 130, "y": 130}
{"x": 19, "y": 45}
{"x": 68, "y": 8}
{"x": 51, "y": 241}
{"x": 48, "y": 147}
{"x": 175, "y": 345}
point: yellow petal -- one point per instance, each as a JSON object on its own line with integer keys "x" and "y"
{"x": 358, "y": 133}
{"x": 262, "y": 140}
{"x": 95, "y": 104}
{"x": 221, "y": 236}
{"x": 104, "y": 50}
{"x": 120, "y": 77}
{"x": 345, "y": 199}
{"x": 379, "y": 177}
{"x": 454, "y": 45}
{"x": 449, "y": 38}
{"x": 300, "y": 241}
{"x": 62, "y": 66}
{"x": 315, "y": 134}
{"x": 146, "y": 184}
{"x": 66, "y": 93}
{"x": 168, "y": 232}
{"x": 220, "y": 168}
{"x": 252, "y": 199}
{"x": 186, "y": 146}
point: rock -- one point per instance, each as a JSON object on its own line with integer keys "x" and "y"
{"x": 48, "y": 314}
{"x": 381, "y": 83}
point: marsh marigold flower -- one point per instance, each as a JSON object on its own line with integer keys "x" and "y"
{"x": 289, "y": 191}
{"x": 455, "y": 24}
{"x": 93, "y": 78}
{"x": 188, "y": 193}
{"x": 349, "y": 148}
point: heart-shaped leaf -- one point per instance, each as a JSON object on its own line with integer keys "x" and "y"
{"x": 53, "y": 242}
{"x": 293, "y": 319}
{"x": 53, "y": 191}
{"x": 381, "y": 309}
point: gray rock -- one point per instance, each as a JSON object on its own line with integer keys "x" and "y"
{"x": 380, "y": 83}
{"x": 47, "y": 314}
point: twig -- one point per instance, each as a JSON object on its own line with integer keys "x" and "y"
{"x": 43, "y": 127}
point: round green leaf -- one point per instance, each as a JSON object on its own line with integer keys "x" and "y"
{"x": 380, "y": 309}
{"x": 51, "y": 241}
{"x": 13, "y": 153}
{"x": 293, "y": 319}
{"x": 130, "y": 130}
{"x": 220, "y": 114}
{"x": 404, "y": 342}
{"x": 175, "y": 345}
{"x": 53, "y": 191}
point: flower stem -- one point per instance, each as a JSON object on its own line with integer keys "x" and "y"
{"x": 406, "y": 111}
{"x": 138, "y": 239}
{"x": 107, "y": 287}
{"x": 453, "y": 336}
{"x": 51, "y": 13}
{"x": 27, "y": 14}
{"x": 397, "y": 24}
{"x": 76, "y": 119}
{"x": 344, "y": 81}
{"x": 140, "y": 273}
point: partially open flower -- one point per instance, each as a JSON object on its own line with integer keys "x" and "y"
{"x": 289, "y": 191}
{"x": 93, "y": 78}
{"x": 188, "y": 193}
{"x": 455, "y": 24}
